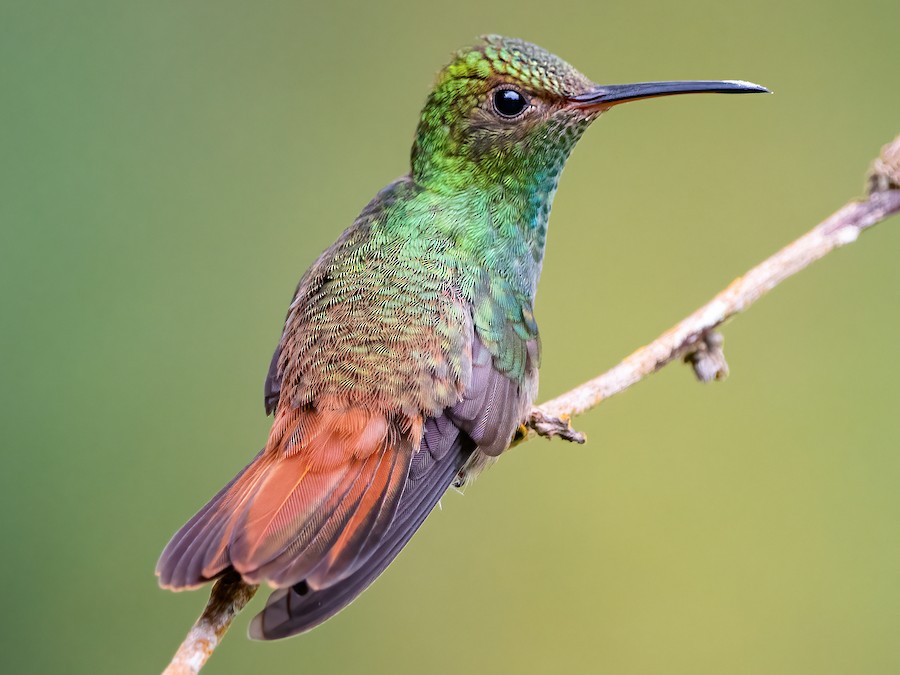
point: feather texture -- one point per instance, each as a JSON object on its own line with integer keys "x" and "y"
{"x": 294, "y": 610}
{"x": 311, "y": 505}
{"x": 409, "y": 353}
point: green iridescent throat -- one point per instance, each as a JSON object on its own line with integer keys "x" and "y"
{"x": 502, "y": 175}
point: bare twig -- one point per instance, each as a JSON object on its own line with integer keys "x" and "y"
{"x": 226, "y": 599}
{"x": 694, "y": 339}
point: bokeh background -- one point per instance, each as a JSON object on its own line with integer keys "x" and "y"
{"x": 169, "y": 170}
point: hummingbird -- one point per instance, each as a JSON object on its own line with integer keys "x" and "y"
{"x": 410, "y": 352}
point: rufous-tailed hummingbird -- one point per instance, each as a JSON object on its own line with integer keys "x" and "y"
{"x": 410, "y": 351}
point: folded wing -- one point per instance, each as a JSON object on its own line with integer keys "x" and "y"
{"x": 312, "y": 505}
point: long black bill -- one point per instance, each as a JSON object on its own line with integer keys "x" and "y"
{"x": 609, "y": 95}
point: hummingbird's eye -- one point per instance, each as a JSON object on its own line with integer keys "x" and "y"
{"x": 509, "y": 102}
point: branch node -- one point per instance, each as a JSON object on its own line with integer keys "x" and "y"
{"x": 885, "y": 173}
{"x": 707, "y": 357}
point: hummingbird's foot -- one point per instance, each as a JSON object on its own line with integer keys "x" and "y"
{"x": 708, "y": 358}
{"x": 548, "y": 427}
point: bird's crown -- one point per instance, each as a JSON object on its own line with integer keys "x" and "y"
{"x": 516, "y": 61}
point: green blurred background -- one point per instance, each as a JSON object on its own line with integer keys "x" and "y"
{"x": 169, "y": 170}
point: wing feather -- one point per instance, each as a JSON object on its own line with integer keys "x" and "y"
{"x": 443, "y": 454}
{"x": 302, "y": 506}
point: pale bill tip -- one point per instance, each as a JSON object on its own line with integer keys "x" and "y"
{"x": 749, "y": 86}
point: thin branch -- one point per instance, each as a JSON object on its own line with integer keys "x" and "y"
{"x": 694, "y": 339}
{"x": 226, "y": 599}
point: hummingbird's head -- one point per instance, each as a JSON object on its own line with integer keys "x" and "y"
{"x": 507, "y": 112}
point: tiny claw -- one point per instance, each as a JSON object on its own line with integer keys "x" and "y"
{"x": 521, "y": 434}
